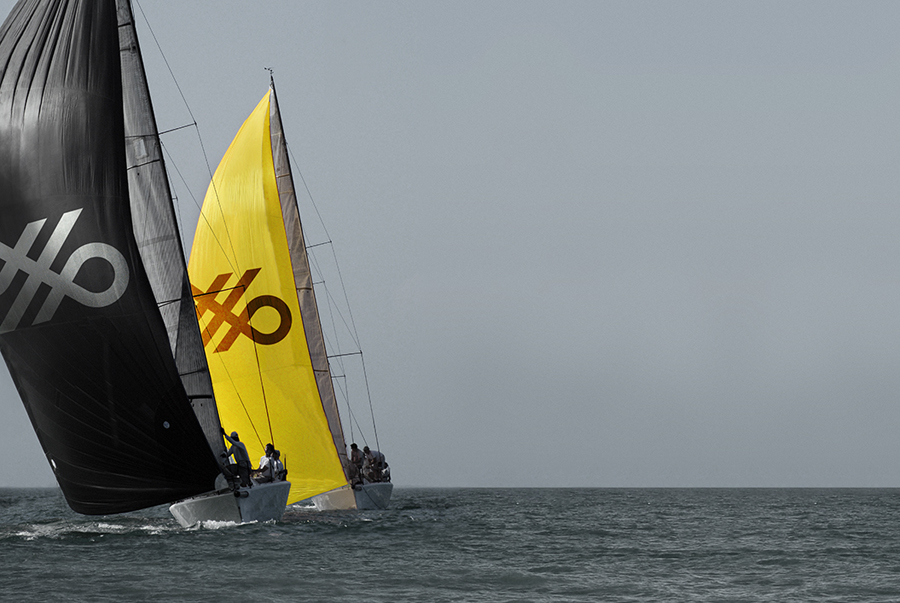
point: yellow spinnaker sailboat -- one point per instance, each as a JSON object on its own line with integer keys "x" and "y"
{"x": 255, "y": 302}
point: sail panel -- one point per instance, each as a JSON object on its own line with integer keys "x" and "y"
{"x": 79, "y": 326}
{"x": 243, "y": 283}
{"x": 156, "y": 231}
{"x": 312, "y": 326}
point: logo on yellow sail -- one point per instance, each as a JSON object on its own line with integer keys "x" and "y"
{"x": 237, "y": 324}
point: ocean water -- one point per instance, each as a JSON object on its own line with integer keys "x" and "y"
{"x": 504, "y": 545}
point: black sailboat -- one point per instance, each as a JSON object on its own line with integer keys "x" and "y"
{"x": 97, "y": 323}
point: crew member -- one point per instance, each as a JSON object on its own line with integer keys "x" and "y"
{"x": 241, "y": 458}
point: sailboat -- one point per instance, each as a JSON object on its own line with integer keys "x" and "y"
{"x": 97, "y": 320}
{"x": 256, "y": 305}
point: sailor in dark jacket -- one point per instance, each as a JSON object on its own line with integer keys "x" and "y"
{"x": 241, "y": 458}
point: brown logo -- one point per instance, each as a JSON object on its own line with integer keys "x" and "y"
{"x": 238, "y": 324}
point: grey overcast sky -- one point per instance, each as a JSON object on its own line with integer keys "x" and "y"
{"x": 585, "y": 243}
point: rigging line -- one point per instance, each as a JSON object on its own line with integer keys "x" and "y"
{"x": 369, "y": 395}
{"x": 352, "y": 419}
{"x": 174, "y": 165}
{"x": 283, "y": 171}
{"x": 346, "y": 297}
{"x": 337, "y": 389}
{"x": 212, "y": 185}
{"x": 196, "y": 128}
{"x": 170, "y": 130}
{"x": 343, "y": 387}
{"x": 221, "y": 359}
{"x": 165, "y": 60}
{"x": 231, "y": 379}
{"x": 332, "y": 304}
{"x": 138, "y": 165}
{"x": 199, "y": 371}
{"x": 308, "y": 247}
{"x": 343, "y": 287}
{"x": 335, "y": 341}
{"x": 343, "y": 376}
{"x": 350, "y": 330}
{"x": 327, "y": 234}
{"x": 358, "y": 428}
{"x": 217, "y": 291}
{"x": 215, "y": 192}
{"x": 306, "y": 186}
{"x": 333, "y": 308}
{"x": 262, "y": 388}
{"x": 338, "y": 358}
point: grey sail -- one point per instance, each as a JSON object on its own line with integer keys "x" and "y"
{"x": 156, "y": 231}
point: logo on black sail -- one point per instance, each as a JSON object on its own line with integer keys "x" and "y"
{"x": 61, "y": 284}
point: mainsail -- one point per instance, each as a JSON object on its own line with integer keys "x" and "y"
{"x": 81, "y": 328}
{"x": 257, "y": 309}
{"x": 156, "y": 231}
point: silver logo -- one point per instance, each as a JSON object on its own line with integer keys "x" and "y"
{"x": 62, "y": 284}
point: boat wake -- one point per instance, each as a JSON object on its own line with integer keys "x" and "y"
{"x": 216, "y": 525}
{"x": 87, "y": 530}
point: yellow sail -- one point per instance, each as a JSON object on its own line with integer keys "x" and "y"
{"x": 241, "y": 274}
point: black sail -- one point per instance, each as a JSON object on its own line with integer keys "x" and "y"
{"x": 80, "y": 329}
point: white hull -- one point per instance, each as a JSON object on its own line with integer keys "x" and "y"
{"x": 363, "y": 497}
{"x": 262, "y": 502}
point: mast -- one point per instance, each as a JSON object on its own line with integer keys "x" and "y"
{"x": 303, "y": 279}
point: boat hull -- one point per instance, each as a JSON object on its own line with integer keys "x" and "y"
{"x": 262, "y": 502}
{"x": 363, "y": 497}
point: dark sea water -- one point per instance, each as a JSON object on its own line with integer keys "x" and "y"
{"x": 471, "y": 545}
